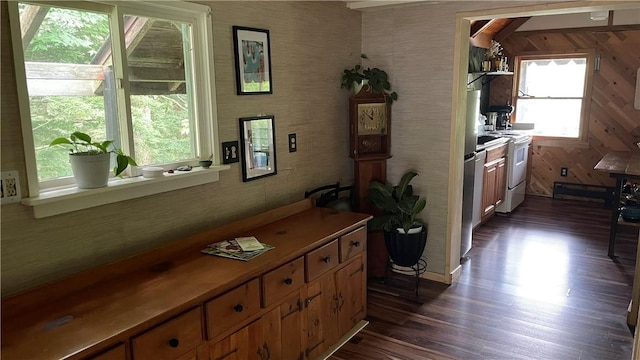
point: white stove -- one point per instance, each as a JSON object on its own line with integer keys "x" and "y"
{"x": 517, "y": 157}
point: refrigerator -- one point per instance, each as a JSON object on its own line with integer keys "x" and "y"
{"x": 470, "y": 141}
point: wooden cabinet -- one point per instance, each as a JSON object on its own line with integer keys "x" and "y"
{"x": 292, "y": 302}
{"x": 494, "y": 179}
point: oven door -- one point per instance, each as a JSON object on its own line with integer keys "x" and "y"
{"x": 518, "y": 156}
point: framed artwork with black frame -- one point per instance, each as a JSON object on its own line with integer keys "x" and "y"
{"x": 258, "y": 146}
{"x": 253, "y": 61}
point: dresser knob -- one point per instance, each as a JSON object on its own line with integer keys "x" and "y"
{"x": 356, "y": 244}
{"x": 326, "y": 259}
{"x": 288, "y": 281}
{"x": 174, "y": 343}
{"x": 238, "y": 308}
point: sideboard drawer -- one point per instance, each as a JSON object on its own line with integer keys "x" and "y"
{"x": 321, "y": 260}
{"x": 280, "y": 282}
{"x": 352, "y": 244}
{"x": 117, "y": 353}
{"x": 171, "y": 339}
{"x": 232, "y": 308}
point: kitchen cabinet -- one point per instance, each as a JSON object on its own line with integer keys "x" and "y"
{"x": 295, "y": 301}
{"x": 494, "y": 179}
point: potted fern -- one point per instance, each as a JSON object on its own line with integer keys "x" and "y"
{"x": 376, "y": 79}
{"x": 90, "y": 159}
{"x": 404, "y": 234}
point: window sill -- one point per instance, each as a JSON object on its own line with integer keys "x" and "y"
{"x": 66, "y": 199}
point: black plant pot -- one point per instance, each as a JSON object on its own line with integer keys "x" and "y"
{"x": 405, "y": 249}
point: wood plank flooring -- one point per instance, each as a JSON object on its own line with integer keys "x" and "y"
{"x": 537, "y": 285}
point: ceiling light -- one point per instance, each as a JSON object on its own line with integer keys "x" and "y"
{"x": 599, "y": 15}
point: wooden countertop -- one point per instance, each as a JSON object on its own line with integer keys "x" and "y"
{"x": 620, "y": 163}
{"x": 77, "y": 319}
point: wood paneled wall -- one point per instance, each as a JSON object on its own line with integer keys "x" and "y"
{"x": 613, "y": 122}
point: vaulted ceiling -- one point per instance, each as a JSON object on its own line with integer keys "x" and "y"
{"x": 483, "y": 31}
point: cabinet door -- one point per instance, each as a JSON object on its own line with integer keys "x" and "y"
{"x": 290, "y": 327}
{"x": 489, "y": 188}
{"x": 259, "y": 340}
{"x": 351, "y": 289}
{"x": 320, "y": 315}
{"x": 501, "y": 181}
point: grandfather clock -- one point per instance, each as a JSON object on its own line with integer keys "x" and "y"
{"x": 370, "y": 147}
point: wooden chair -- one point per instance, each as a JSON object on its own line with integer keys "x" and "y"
{"x": 330, "y": 197}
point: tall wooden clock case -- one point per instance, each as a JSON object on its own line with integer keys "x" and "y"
{"x": 370, "y": 147}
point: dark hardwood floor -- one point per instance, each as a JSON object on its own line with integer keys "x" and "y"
{"x": 537, "y": 285}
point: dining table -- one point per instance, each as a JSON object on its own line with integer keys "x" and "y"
{"x": 623, "y": 166}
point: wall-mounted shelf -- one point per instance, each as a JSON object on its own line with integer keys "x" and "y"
{"x": 490, "y": 74}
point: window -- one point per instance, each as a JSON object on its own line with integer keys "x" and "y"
{"x": 138, "y": 73}
{"x": 553, "y": 93}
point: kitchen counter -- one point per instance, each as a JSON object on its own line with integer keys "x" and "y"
{"x": 492, "y": 143}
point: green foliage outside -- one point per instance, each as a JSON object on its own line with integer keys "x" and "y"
{"x": 160, "y": 122}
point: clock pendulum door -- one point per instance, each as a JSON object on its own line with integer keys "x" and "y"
{"x": 370, "y": 144}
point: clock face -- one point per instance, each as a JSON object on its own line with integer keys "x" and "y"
{"x": 372, "y": 119}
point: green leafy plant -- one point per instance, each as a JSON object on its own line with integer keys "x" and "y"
{"x": 400, "y": 207}
{"x": 82, "y": 144}
{"x": 378, "y": 80}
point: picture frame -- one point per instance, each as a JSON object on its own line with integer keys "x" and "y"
{"x": 258, "y": 147}
{"x": 253, "y": 60}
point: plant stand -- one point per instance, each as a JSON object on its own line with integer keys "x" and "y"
{"x": 417, "y": 269}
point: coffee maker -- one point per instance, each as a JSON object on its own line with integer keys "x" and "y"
{"x": 504, "y": 113}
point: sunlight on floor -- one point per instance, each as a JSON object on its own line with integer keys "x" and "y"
{"x": 543, "y": 272}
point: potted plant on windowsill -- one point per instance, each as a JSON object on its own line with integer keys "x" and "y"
{"x": 404, "y": 234}
{"x": 90, "y": 160}
{"x": 376, "y": 79}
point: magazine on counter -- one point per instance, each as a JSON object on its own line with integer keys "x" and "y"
{"x": 232, "y": 250}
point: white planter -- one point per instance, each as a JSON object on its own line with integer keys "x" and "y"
{"x": 357, "y": 86}
{"x": 90, "y": 171}
{"x": 415, "y": 230}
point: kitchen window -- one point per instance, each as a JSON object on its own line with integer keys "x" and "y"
{"x": 553, "y": 93}
{"x": 139, "y": 73}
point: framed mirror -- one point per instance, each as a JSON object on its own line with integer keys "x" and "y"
{"x": 258, "y": 146}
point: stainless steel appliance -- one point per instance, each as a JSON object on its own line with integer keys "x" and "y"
{"x": 517, "y": 158}
{"x": 470, "y": 141}
{"x": 481, "y": 157}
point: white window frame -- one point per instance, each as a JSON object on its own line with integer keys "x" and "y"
{"x": 589, "y": 54}
{"x": 47, "y": 202}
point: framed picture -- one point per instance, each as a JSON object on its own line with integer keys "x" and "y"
{"x": 253, "y": 60}
{"x": 258, "y": 146}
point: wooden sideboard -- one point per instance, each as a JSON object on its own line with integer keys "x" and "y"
{"x": 296, "y": 301}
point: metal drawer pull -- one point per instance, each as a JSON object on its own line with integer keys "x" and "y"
{"x": 174, "y": 343}
{"x": 356, "y": 244}
{"x": 238, "y": 308}
{"x": 326, "y": 259}
{"x": 288, "y": 281}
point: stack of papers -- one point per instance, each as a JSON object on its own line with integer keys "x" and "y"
{"x": 241, "y": 248}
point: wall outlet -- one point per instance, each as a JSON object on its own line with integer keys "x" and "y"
{"x": 564, "y": 171}
{"x": 10, "y": 187}
{"x": 293, "y": 143}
